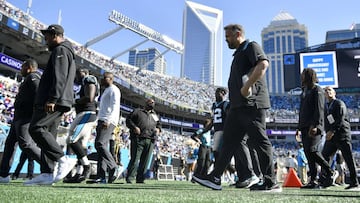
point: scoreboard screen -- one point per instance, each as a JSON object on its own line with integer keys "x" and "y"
{"x": 338, "y": 69}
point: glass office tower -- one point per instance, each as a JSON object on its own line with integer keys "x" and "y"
{"x": 150, "y": 58}
{"x": 338, "y": 35}
{"x": 202, "y": 39}
{"x": 284, "y": 35}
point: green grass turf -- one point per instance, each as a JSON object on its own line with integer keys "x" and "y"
{"x": 164, "y": 191}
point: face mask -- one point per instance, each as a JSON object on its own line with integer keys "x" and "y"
{"x": 150, "y": 106}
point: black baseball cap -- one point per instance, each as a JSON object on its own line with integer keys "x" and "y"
{"x": 54, "y": 29}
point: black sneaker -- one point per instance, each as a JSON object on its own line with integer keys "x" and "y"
{"x": 96, "y": 181}
{"x": 112, "y": 176}
{"x": 87, "y": 171}
{"x": 266, "y": 188}
{"x": 128, "y": 181}
{"x": 208, "y": 181}
{"x": 352, "y": 187}
{"x": 310, "y": 185}
{"x": 72, "y": 179}
{"x": 330, "y": 179}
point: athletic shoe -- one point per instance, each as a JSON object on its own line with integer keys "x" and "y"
{"x": 208, "y": 181}
{"x": 64, "y": 167}
{"x": 310, "y": 185}
{"x": 5, "y": 179}
{"x": 42, "y": 179}
{"x": 87, "y": 171}
{"x": 330, "y": 179}
{"x": 353, "y": 187}
{"x": 128, "y": 181}
{"x": 75, "y": 179}
{"x": 248, "y": 182}
{"x": 112, "y": 176}
{"x": 266, "y": 188}
{"x": 96, "y": 181}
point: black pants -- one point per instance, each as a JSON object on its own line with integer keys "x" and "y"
{"x": 19, "y": 132}
{"x": 30, "y": 169}
{"x": 345, "y": 147}
{"x": 140, "y": 152}
{"x": 240, "y": 122}
{"x": 43, "y": 130}
{"x": 105, "y": 159}
{"x": 203, "y": 161}
{"x": 311, "y": 149}
{"x": 243, "y": 171}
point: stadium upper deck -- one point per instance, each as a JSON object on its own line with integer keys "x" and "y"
{"x": 21, "y": 39}
{"x": 181, "y": 102}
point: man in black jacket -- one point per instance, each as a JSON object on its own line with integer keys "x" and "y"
{"x": 55, "y": 97}
{"x": 338, "y": 134}
{"x": 311, "y": 126}
{"x": 23, "y": 105}
{"x": 144, "y": 125}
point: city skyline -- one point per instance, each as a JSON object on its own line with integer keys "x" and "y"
{"x": 85, "y": 20}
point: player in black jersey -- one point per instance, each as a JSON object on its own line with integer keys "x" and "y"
{"x": 84, "y": 123}
{"x": 219, "y": 109}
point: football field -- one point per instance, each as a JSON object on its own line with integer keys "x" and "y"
{"x": 164, "y": 191}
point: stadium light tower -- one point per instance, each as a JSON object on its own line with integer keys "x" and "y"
{"x": 143, "y": 30}
{"x": 101, "y": 37}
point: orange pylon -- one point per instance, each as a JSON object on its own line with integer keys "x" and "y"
{"x": 292, "y": 180}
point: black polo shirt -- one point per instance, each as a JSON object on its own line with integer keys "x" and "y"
{"x": 245, "y": 59}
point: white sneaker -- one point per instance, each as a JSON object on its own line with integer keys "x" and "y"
{"x": 65, "y": 165}
{"x": 5, "y": 179}
{"x": 42, "y": 179}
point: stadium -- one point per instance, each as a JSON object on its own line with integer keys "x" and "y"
{"x": 182, "y": 104}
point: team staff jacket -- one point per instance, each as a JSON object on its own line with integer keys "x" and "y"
{"x": 147, "y": 121}
{"x": 337, "y": 120}
{"x": 246, "y": 56}
{"x": 57, "y": 80}
{"x": 24, "y": 100}
{"x": 312, "y": 108}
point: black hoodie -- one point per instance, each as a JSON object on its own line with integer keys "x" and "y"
{"x": 57, "y": 80}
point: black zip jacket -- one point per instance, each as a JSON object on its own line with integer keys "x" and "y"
{"x": 24, "y": 101}
{"x": 312, "y": 108}
{"x": 57, "y": 81}
{"x": 144, "y": 120}
{"x": 341, "y": 125}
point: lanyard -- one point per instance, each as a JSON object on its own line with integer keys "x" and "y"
{"x": 329, "y": 106}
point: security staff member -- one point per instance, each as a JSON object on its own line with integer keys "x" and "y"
{"x": 338, "y": 133}
{"x": 144, "y": 125}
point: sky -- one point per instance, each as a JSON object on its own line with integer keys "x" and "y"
{"x": 84, "y": 20}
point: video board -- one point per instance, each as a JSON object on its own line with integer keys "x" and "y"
{"x": 338, "y": 69}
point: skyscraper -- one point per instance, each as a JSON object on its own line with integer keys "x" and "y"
{"x": 284, "y": 35}
{"x": 338, "y": 35}
{"x": 202, "y": 39}
{"x": 148, "y": 59}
